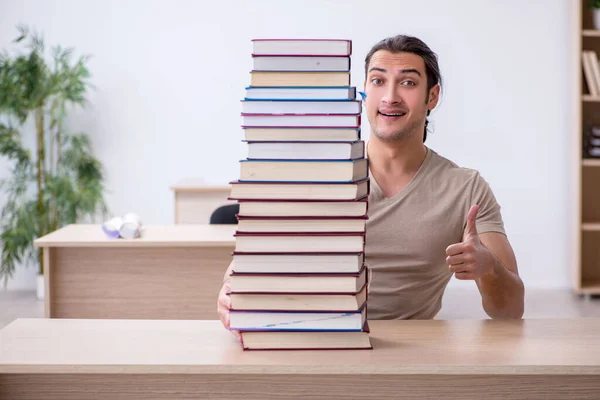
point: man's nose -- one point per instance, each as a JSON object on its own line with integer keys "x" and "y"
{"x": 392, "y": 95}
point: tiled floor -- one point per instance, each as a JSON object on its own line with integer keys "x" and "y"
{"x": 459, "y": 303}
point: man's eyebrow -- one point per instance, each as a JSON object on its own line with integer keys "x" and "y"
{"x": 402, "y": 71}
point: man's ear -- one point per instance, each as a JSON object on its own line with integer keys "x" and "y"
{"x": 434, "y": 96}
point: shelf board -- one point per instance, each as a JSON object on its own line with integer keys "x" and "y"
{"x": 591, "y": 33}
{"x": 589, "y": 98}
{"x": 591, "y": 162}
{"x": 590, "y": 287}
{"x": 590, "y": 226}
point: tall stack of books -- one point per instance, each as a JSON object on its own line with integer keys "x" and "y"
{"x": 299, "y": 280}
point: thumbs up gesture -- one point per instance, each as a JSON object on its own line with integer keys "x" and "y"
{"x": 469, "y": 259}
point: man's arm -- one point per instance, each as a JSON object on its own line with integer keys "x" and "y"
{"x": 228, "y": 272}
{"x": 502, "y": 290}
{"x": 488, "y": 259}
{"x": 224, "y": 302}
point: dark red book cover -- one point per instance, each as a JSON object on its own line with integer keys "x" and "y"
{"x": 357, "y": 200}
{"x": 299, "y": 253}
{"x": 300, "y": 217}
{"x": 303, "y": 274}
{"x": 321, "y": 234}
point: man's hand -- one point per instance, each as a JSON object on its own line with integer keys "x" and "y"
{"x": 470, "y": 259}
{"x": 488, "y": 259}
{"x": 223, "y": 306}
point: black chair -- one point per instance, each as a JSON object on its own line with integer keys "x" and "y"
{"x": 225, "y": 214}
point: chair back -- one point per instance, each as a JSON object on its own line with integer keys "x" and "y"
{"x": 225, "y": 214}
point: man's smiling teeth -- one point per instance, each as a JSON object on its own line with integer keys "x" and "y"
{"x": 392, "y": 114}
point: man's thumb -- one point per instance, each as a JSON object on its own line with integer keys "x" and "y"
{"x": 471, "y": 228}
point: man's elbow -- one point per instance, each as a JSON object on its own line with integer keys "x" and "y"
{"x": 514, "y": 312}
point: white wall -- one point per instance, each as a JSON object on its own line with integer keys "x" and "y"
{"x": 170, "y": 74}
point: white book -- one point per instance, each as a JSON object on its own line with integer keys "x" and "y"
{"x": 304, "y": 171}
{"x": 301, "y": 63}
{"x": 298, "y": 283}
{"x": 241, "y": 190}
{"x": 332, "y": 47}
{"x": 301, "y": 107}
{"x": 301, "y": 93}
{"x": 303, "y": 208}
{"x": 298, "y": 301}
{"x": 289, "y": 320}
{"x": 270, "y": 224}
{"x": 306, "y": 120}
{"x": 295, "y": 263}
{"x": 300, "y": 243}
{"x": 300, "y": 134}
{"x": 306, "y": 150}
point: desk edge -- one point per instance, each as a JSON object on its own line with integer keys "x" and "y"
{"x": 303, "y": 369}
{"x": 126, "y": 243}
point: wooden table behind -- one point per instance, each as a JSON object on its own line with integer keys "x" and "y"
{"x": 462, "y": 359}
{"x": 171, "y": 272}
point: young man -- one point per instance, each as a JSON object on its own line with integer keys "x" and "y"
{"x": 429, "y": 219}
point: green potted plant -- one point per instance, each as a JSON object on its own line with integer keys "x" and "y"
{"x": 60, "y": 181}
{"x": 595, "y": 6}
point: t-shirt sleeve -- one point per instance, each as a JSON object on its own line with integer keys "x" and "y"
{"x": 489, "y": 217}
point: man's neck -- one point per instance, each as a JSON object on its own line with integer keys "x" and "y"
{"x": 395, "y": 158}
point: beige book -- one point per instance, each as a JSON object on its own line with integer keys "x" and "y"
{"x": 593, "y": 57}
{"x": 274, "y": 224}
{"x": 303, "y": 208}
{"x": 295, "y": 78}
{"x": 297, "y": 263}
{"x": 589, "y": 73}
{"x": 299, "y": 190}
{"x": 298, "y": 283}
{"x": 298, "y": 301}
{"x": 301, "y": 134}
{"x": 306, "y": 151}
{"x": 299, "y": 243}
{"x": 304, "y": 171}
{"x": 305, "y": 340}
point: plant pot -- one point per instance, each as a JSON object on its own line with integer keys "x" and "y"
{"x": 40, "y": 287}
{"x": 596, "y": 14}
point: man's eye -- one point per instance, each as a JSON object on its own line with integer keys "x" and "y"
{"x": 376, "y": 81}
{"x": 409, "y": 83}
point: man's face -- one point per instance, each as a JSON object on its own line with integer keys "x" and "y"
{"x": 397, "y": 98}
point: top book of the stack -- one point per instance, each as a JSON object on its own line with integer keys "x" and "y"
{"x": 301, "y": 47}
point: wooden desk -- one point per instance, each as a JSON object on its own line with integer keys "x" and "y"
{"x": 171, "y": 272}
{"x": 195, "y": 201}
{"x": 461, "y": 359}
